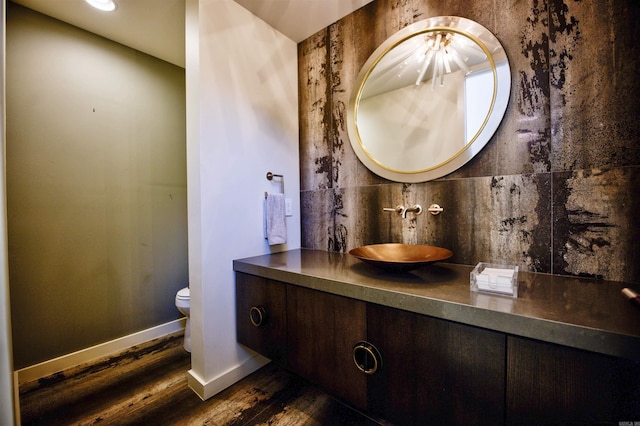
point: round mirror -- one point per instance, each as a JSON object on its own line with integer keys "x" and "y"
{"x": 429, "y": 99}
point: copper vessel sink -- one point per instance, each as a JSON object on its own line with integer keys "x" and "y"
{"x": 400, "y": 257}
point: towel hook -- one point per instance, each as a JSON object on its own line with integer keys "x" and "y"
{"x": 270, "y": 176}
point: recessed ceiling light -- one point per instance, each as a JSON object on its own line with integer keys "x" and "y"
{"x": 106, "y": 5}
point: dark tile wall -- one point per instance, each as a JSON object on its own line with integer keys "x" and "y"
{"x": 556, "y": 190}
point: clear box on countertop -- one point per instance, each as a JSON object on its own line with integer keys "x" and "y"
{"x": 495, "y": 278}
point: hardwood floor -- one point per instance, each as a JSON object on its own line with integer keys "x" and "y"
{"x": 147, "y": 385}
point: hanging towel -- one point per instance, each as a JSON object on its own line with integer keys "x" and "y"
{"x": 275, "y": 228}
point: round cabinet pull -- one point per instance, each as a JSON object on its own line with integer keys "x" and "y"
{"x": 366, "y": 357}
{"x": 258, "y": 316}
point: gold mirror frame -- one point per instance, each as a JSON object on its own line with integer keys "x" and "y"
{"x": 499, "y": 63}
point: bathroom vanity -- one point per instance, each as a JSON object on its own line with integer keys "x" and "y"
{"x": 421, "y": 348}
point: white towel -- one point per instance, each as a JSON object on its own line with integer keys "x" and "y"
{"x": 275, "y": 228}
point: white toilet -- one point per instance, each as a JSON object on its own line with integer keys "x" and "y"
{"x": 182, "y": 303}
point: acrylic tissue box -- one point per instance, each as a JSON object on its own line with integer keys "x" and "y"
{"x": 494, "y": 278}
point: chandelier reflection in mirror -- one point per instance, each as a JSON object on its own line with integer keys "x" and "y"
{"x": 442, "y": 50}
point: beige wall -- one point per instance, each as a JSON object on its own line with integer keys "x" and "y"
{"x": 96, "y": 175}
{"x": 6, "y": 359}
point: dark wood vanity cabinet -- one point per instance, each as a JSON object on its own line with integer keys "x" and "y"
{"x": 426, "y": 370}
{"x": 435, "y": 371}
{"x": 308, "y": 331}
{"x": 322, "y": 330}
{"x": 552, "y": 384}
{"x": 430, "y": 371}
{"x": 261, "y": 316}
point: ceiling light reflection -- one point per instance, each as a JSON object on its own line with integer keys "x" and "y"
{"x": 104, "y": 5}
{"x": 440, "y": 52}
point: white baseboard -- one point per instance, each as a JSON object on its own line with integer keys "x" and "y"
{"x": 52, "y": 366}
{"x": 206, "y": 390}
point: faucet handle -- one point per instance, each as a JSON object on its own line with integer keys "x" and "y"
{"x": 435, "y": 209}
{"x": 398, "y": 209}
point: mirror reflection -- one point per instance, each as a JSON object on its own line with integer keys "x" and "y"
{"x": 426, "y": 96}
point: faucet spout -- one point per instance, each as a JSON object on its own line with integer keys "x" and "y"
{"x": 417, "y": 209}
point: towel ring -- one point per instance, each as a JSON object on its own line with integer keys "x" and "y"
{"x": 270, "y": 176}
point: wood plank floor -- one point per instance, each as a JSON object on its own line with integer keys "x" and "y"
{"x": 147, "y": 385}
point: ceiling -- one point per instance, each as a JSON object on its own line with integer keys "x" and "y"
{"x": 299, "y": 19}
{"x": 156, "y": 27}
{"x": 140, "y": 24}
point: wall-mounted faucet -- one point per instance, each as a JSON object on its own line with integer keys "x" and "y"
{"x": 399, "y": 209}
{"x": 435, "y": 209}
{"x": 416, "y": 208}
{"x": 402, "y": 210}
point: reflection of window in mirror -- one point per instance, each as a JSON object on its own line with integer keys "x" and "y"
{"x": 478, "y": 88}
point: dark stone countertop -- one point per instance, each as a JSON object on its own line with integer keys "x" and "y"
{"x": 576, "y": 312}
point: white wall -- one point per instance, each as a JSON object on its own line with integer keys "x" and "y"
{"x": 242, "y": 122}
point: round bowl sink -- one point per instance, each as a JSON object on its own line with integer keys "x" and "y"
{"x": 400, "y": 257}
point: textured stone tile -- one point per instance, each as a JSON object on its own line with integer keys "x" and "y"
{"x": 573, "y": 106}
{"x": 373, "y": 225}
{"x": 520, "y": 221}
{"x": 522, "y": 142}
{"x": 316, "y": 212}
{"x": 502, "y": 219}
{"x": 595, "y": 63}
{"x": 314, "y": 112}
{"x": 344, "y": 220}
{"x": 354, "y": 38}
{"x": 597, "y": 226}
{"x": 349, "y": 48}
{"x": 474, "y": 10}
{"x": 524, "y": 137}
{"x": 331, "y": 219}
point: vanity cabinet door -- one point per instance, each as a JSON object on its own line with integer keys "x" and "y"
{"x": 322, "y": 332}
{"x": 261, "y": 316}
{"x": 552, "y": 384}
{"x": 435, "y": 371}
